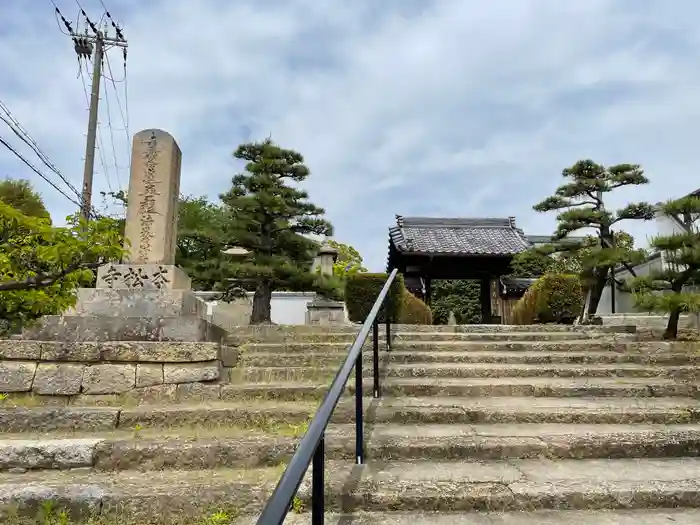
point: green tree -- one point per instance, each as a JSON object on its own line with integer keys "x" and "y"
{"x": 41, "y": 265}
{"x": 349, "y": 259}
{"x": 202, "y": 233}
{"x": 459, "y": 296}
{"x": 581, "y": 204}
{"x": 20, "y": 194}
{"x": 272, "y": 221}
{"x": 534, "y": 263}
{"x": 666, "y": 290}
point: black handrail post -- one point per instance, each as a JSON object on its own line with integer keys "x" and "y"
{"x": 309, "y": 452}
{"x": 375, "y": 357}
{"x": 317, "y": 485}
{"x": 359, "y": 430}
{"x": 388, "y": 333}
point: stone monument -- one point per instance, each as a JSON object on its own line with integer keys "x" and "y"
{"x": 151, "y": 218}
{"x": 322, "y": 311}
{"x": 147, "y": 284}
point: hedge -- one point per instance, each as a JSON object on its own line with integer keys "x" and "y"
{"x": 553, "y": 298}
{"x": 362, "y": 289}
{"x": 414, "y": 311}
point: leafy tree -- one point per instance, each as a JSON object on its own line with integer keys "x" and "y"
{"x": 20, "y": 194}
{"x": 568, "y": 257}
{"x": 534, "y": 263}
{"x": 202, "y": 233}
{"x": 272, "y": 221}
{"x": 580, "y": 203}
{"x": 460, "y": 296}
{"x": 666, "y": 290}
{"x": 41, "y": 265}
{"x": 349, "y": 260}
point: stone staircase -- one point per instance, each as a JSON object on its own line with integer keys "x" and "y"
{"x": 477, "y": 424}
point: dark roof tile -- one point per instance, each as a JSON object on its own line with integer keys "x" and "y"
{"x": 468, "y": 236}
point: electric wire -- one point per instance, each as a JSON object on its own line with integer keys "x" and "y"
{"x": 36, "y": 170}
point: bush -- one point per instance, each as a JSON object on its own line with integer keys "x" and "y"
{"x": 362, "y": 289}
{"x": 413, "y": 310}
{"x": 553, "y": 298}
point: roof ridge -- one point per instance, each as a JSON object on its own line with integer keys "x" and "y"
{"x": 455, "y": 222}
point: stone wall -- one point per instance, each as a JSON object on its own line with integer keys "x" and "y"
{"x": 102, "y": 371}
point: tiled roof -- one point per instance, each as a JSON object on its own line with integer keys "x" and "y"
{"x": 472, "y": 236}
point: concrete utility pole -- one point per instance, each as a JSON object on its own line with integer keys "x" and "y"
{"x": 86, "y": 197}
{"x": 84, "y": 45}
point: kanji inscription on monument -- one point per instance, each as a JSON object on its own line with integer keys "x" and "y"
{"x": 154, "y": 187}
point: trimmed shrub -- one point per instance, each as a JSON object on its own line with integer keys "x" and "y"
{"x": 362, "y": 289}
{"x": 553, "y": 298}
{"x": 414, "y": 311}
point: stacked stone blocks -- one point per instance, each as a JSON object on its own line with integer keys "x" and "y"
{"x": 86, "y": 369}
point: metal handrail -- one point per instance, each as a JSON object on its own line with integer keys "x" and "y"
{"x": 311, "y": 447}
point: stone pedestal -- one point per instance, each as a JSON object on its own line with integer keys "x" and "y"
{"x": 323, "y": 312}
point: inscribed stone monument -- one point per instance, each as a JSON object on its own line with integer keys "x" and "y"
{"x": 151, "y": 218}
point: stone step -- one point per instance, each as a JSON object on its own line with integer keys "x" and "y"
{"x": 513, "y": 485}
{"x": 468, "y": 370}
{"x": 281, "y": 332}
{"x": 138, "y": 498}
{"x": 320, "y": 359}
{"x": 71, "y": 419}
{"x": 76, "y": 421}
{"x": 349, "y": 337}
{"x": 686, "y": 516}
{"x": 227, "y": 447}
{"x": 584, "y": 345}
{"x": 463, "y": 370}
{"x": 422, "y": 486}
{"x": 508, "y": 336}
{"x": 536, "y": 410}
{"x": 538, "y": 387}
{"x": 473, "y": 387}
{"x": 588, "y": 345}
{"x": 490, "y": 328}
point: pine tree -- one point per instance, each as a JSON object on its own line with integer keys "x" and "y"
{"x": 666, "y": 290}
{"x": 581, "y": 204}
{"x": 272, "y": 221}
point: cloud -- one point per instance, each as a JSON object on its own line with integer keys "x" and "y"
{"x": 449, "y": 107}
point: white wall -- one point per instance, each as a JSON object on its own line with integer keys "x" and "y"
{"x": 624, "y": 302}
{"x": 286, "y": 307}
{"x": 666, "y": 225}
{"x": 290, "y": 307}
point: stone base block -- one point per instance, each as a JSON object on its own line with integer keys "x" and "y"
{"x": 142, "y": 277}
{"x": 124, "y": 302}
{"x": 321, "y": 312}
{"x": 76, "y": 328}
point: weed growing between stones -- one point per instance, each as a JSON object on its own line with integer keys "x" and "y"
{"x": 49, "y": 513}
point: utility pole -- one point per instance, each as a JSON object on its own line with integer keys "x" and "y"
{"x": 84, "y": 45}
{"x": 88, "y": 171}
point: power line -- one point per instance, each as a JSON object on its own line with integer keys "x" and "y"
{"x": 111, "y": 137}
{"x": 23, "y": 134}
{"x": 103, "y": 161}
{"x": 84, "y": 46}
{"x": 124, "y": 113}
{"x": 36, "y": 170}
